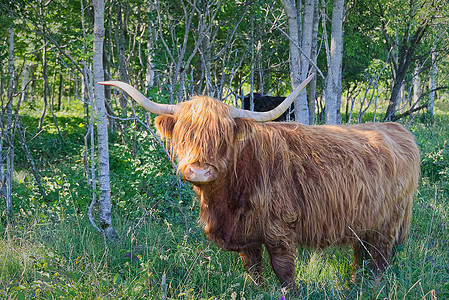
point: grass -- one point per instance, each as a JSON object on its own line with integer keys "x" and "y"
{"x": 52, "y": 252}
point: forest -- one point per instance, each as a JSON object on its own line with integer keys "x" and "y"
{"x": 91, "y": 204}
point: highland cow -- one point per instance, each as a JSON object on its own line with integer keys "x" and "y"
{"x": 288, "y": 184}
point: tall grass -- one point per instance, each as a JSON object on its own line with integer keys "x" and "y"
{"x": 51, "y": 251}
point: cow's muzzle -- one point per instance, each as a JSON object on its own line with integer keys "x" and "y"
{"x": 200, "y": 173}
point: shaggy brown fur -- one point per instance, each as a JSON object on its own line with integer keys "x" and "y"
{"x": 287, "y": 184}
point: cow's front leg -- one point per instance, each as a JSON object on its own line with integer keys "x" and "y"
{"x": 252, "y": 260}
{"x": 282, "y": 259}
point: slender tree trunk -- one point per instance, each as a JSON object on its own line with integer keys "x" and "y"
{"x": 206, "y": 62}
{"x": 149, "y": 73}
{"x": 301, "y": 103}
{"x": 107, "y": 55}
{"x": 2, "y": 169}
{"x": 2, "y": 172}
{"x": 121, "y": 24}
{"x": 324, "y": 19}
{"x": 45, "y": 75}
{"x": 91, "y": 177}
{"x": 295, "y": 53}
{"x": 61, "y": 84}
{"x": 25, "y": 79}
{"x": 1, "y": 81}
{"x": 259, "y": 64}
{"x": 432, "y": 83}
{"x": 9, "y": 130}
{"x": 332, "y": 91}
{"x": 402, "y": 98}
{"x": 9, "y": 177}
{"x": 416, "y": 84}
{"x": 102, "y": 127}
{"x": 251, "y": 91}
{"x": 313, "y": 57}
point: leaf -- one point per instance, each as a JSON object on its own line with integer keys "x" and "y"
{"x": 117, "y": 278}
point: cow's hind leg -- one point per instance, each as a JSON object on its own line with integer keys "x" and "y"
{"x": 252, "y": 260}
{"x": 380, "y": 247}
{"x": 360, "y": 254}
{"x": 283, "y": 262}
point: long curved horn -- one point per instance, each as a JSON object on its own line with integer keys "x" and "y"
{"x": 274, "y": 113}
{"x": 156, "y": 108}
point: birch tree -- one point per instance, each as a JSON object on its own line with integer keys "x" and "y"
{"x": 313, "y": 57}
{"x": 432, "y": 83}
{"x": 295, "y": 54}
{"x": 152, "y": 34}
{"x": 44, "y": 65}
{"x": 332, "y": 92}
{"x": 301, "y": 103}
{"x": 301, "y": 32}
{"x": 122, "y": 28}
{"x": 7, "y": 128}
{"x": 104, "y": 199}
{"x": 416, "y": 83}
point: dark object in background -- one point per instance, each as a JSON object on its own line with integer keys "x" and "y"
{"x": 266, "y": 103}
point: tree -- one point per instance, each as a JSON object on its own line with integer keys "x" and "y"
{"x": 7, "y": 129}
{"x": 122, "y": 29}
{"x": 333, "y": 90}
{"x": 313, "y": 56}
{"x": 44, "y": 63}
{"x": 432, "y": 83}
{"x": 300, "y": 50}
{"x": 104, "y": 199}
{"x": 404, "y": 26}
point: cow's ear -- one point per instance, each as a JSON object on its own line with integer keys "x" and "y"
{"x": 165, "y": 124}
{"x": 244, "y": 128}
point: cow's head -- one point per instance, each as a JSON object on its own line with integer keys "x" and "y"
{"x": 202, "y": 130}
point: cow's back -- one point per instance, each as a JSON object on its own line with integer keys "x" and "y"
{"x": 335, "y": 184}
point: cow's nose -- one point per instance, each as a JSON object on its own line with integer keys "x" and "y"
{"x": 200, "y": 173}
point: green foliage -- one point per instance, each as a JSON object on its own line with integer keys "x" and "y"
{"x": 435, "y": 165}
{"x": 362, "y": 44}
{"x": 434, "y": 151}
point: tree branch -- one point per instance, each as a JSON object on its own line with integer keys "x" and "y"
{"x": 414, "y": 109}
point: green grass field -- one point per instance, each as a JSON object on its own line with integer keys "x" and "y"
{"x": 52, "y": 252}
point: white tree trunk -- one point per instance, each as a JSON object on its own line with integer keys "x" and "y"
{"x": 301, "y": 103}
{"x": 25, "y": 79}
{"x": 251, "y": 91}
{"x": 2, "y": 172}
{"x": 207, "y": 62}
{"x": 149, "y": 73}
{"x": 121, "y": 28}
{"x": 432, "y": 83}
{"x": 10, "y": 152}
{"x": 402, "y": 97}
{"x": 2, "y": 169}
{"x": 295, "y": 53}
{"x": 416, "y": 84}
{"x": 104, "y": 198}
{"x": 332, "y": 91}
{"x": 313, "y": 57}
